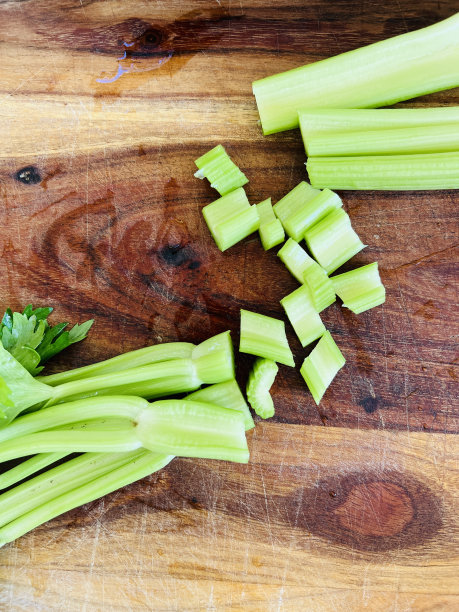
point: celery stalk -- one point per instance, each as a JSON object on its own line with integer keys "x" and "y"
{"x": 28, "y": 467}
{"x": 403, "y": 140}
{"x": 295, "y": 259}
{"x": 297, "y": 224}
{"x": 222, "y": 173}
{"x": 319, "y": 122}
{"x": 60, "y": 479}
{"x": 295, "y": 199}
{"x": 386, "y": 172}
{"x": 264, "y": 337}
{"x": 321, "y": 366}
{"x": 231, "y": 218}
{"x": 126, "y": 361}
{"x": 303, "y": 316}
{"x": 332, "y": 241}
{"x": 261, "y": 378}
{"x": 360, "y": 289}
{"x": 270, "y": 230}
{"x": 320, "y": 287}
{"x": 380, "y": 74}
{"x": 227, "y": 395}
{"x": 142, "y": 466}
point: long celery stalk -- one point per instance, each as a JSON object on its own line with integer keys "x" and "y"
{"x": 145, "y": 464}
{"x": 386, "y": 172}
{"x": 403, "y": 140}
{"x": 318, "y": 122}
{"x": 380, "y": 74}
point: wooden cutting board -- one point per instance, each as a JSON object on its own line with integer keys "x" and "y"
{"x": 349, "y": 506}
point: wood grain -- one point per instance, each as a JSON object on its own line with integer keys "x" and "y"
{"x": 321, "y": 519}
{"x": 100, "y": 216}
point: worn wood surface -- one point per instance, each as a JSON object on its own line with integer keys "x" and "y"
{"x": 100, "y": 217}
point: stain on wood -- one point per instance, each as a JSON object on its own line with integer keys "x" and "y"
{"x": 104, "y": 107}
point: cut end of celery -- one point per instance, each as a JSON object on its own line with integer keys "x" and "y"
{"x": 332, "y": 241}
{"x": 222, "y": 173}
{"x": 320, "y": 287}
{"x": 309, "y": 213}
{"x": 295, "y": 200}
{"x": 360, "y": 289}
{"x": 260, "y": 381}
{"x": 295, "y": 259}
{"x": 264, "y": 337}
{"x": 321, "y": 366}
{"x": 303, "y": 316}
{"x": 214, "y": 359}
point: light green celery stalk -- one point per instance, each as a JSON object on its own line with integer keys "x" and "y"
{"x": 320, "y": 287}
{"x": 143, "y": 465}
{"x": 303, "y": 316}
{"x": 294, "y": 200}
{"x": 295, "y": 259}
{"x": 332, "y": 241}
{"x": 126, "y": 361}
{"x": 270, "y": 230}
{"x": 403, "y": 140}
{"x": 380, "y": 74}
{"x": 360, "y": 289}
{"x": 211, "y": 362}
{"x": 178, "y": 427}
{"x": 28, "y": 467}
{"x": 326, "y": 121}
{"x": 264, "y": 337}
{"x": 58, "y": 480}
{"x": 321, "y": 366}
{"x": 261, "y": 378}
{"x": 227, "y": 395}
{"x": 297, "y": 224}
{"x": 222, "y": 173}
{"x": 386, "y": 172}
{"x": 231, "y": 218}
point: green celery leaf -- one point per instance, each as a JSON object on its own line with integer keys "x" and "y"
{"x": 54, "y": 341}
{"x": 39, "y": 313}
{"x": 25, "y": 390}
{"x": 80, "y": 331}
{"x": 7, "y": 319}
{"x": 24, "y": 336}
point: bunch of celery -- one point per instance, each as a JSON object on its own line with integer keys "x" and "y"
{"x": 102, "y": 411}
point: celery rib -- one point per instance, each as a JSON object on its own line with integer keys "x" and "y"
{"x": 295, "y": 259}
{"x": 321, "y": 366}
{"x": 302, "y": 315}
{"x": 321, "y": 122}
{"x": 386, "y": 172}
{"x": 261, "y": 378}
{"x": 300, "y": 221}
{"x": 332, "y": 241}
{"x": 360, "y": 289}
{"x": 380, "y": 74}
{"x": 145, "y": 464}
{"x": 222, "y": 173}
{"x": 28, "y": 467}
{"x": 320, "y": 287}
{"x": 270, "y": 230}
{"x": 404, "y": 140}
{"x": 294, "y": 200}
{"x": 264, "y": 337}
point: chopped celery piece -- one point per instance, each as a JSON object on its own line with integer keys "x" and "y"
{"x": 214, "y": 359}
{"x": 231, "y": 218}
{"x": 295, "y": 259}
{"x": 226, "y": 394}
{"x": 132, "y": 359}
{"x": 303, "y": 316}
{"x": 318, "y": 122}
{"x": 360, "y": 289}
{"x": 320, "y": 287}
{"x": 332, "y": 241}
{"x": 261, "y": 378}
{"x": 420, "y": 139}
{"x": 222, "y": 173}
{"x": 321, "y": 366}
{"x": 264, "y": 337}
{"x": 386, "y": 172}
{"x": 294, "y": 200}
{"x": 270, "y": 230}
{"x": 380, "y": 74}
{"x": 144, "y": 464}
{"x": 179, "y": 427}
{"x": 310, "y": 213}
